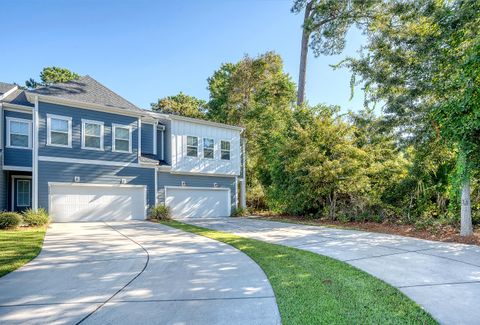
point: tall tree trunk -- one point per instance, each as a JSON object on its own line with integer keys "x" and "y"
{"x": 466, "y": 228}
{"x": 302, "y": 75}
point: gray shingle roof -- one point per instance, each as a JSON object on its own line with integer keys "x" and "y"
{"x": 87, "y": 90}
{"x": 18, "y": 97}
{"x": 4, "y": 87}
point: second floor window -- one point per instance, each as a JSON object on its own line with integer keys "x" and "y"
{"x": 208, "y": 148}
{"x": 92, "y": 135}
{"x": 18, "y": 133}
{"x": 192, "y": 146}
{"x": 225, "y": 150}
{"x": 59, "y": 131}
{"x": 122, "y": 138}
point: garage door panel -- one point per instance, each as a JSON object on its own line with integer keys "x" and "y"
{"x": 198, "y": 202}
{"x": 96, "y": 203}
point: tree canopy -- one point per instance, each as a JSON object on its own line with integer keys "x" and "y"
{"x": 422, "y": 61}
{"x": 181, "y": 104}
{"x": 52, "y": 75}
{"x": 257, "y": 94}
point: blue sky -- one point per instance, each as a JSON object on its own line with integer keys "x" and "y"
{"x": 145, "y": 50}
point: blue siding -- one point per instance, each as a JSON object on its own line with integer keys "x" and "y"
{"x": 97, "y": 174}
{"x": 77, "y": 114}
{"x": 18, "y": 157}
{"x": 13, "y": 156}
{"x": 147, "y": 138}
{"x": 167, "y": 179}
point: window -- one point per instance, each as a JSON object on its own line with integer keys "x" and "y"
{"x": 23, "y": 193}
{"x": 59, "y": 131}
{"x": 208, "y": 148}
{"x": 122, "y": 138}
{"x": 225, "y": 150}
{"x": 18, "y": 133}
{"x": 192, "y": 146}
{"x": 92, "y": 135}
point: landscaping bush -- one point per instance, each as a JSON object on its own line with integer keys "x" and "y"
{"x": 160, "y": 212}
{"x": 35, "y": 218}
{"x": 239, "y": 212}
{"x": 9, "y": 220}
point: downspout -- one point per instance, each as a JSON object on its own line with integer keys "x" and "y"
{"x": 35, "y": 125}
{"x": 163, "y": 145}
{"x": 155, "y": 125}
{"x": 139, "y": 134}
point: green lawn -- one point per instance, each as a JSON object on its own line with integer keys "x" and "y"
{"x": 315, "y": 289}
{"x": 18, "y": 247}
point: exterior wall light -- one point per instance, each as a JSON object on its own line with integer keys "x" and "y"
{"x": 76, "y": 179}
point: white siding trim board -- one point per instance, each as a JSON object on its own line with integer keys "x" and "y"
{"x": 17, "y": 168}
{"x": 93, "y": 162}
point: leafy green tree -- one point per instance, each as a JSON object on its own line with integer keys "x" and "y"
{"x": 52, "y": 75}
{"x": 332, "y": 166}
{"x": 181, "y": 104}
{"x": 422, "y": 61}
{"x": 257, "y": 94}
{"x": 325, "y": 24}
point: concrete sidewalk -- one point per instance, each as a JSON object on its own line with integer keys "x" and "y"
{"x": 135, "y": 273}
{"x": 444, "y": 278}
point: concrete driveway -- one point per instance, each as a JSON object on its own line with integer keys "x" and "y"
{"x": 135, "y": 273}
{"x": 443, "y": 278}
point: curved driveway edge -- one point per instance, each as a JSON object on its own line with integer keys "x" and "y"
{"x": 82, "y": 271}
{"x": 444, "y": 278}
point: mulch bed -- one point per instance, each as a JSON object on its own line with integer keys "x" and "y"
{"x": 444, "y": 233}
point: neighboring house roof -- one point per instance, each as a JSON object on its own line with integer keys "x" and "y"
{"x": 87, "y": 90}
{"x": 4, "y": 87}
{"x": 18, "y": 97}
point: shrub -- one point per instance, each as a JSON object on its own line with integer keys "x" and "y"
{"x": 9, "y": 220}
{"x": 35, "y": 218}
{"x": 239, "y": 212}
{"x": 160, "y": 212}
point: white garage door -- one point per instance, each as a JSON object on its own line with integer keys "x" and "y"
{"x": 198, "y": 202}
{"x": 87, "y": 202}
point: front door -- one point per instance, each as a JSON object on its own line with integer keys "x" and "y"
{"x": 22, "y": 194}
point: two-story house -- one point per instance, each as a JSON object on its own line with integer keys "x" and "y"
{"x": 84, "y": 153}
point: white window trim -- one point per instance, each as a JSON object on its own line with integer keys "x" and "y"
{"x": 203, "y": 148}
{"x": 29, "y": 193}
{"x": 13, "y": 197}
{"x": 186, "y": 146}
{"x": 20, "y": 120}
{"x": 129, "y": 127}
{"x": 230, "y": 151}
{"x": 49, "y": 129}
{"x": 102, "y": 134}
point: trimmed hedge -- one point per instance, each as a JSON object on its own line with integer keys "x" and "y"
{"x": 9, "y": 220}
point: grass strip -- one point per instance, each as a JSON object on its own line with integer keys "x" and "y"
{"x": 18, "y": 247}
{"x": 315, "y": 289}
